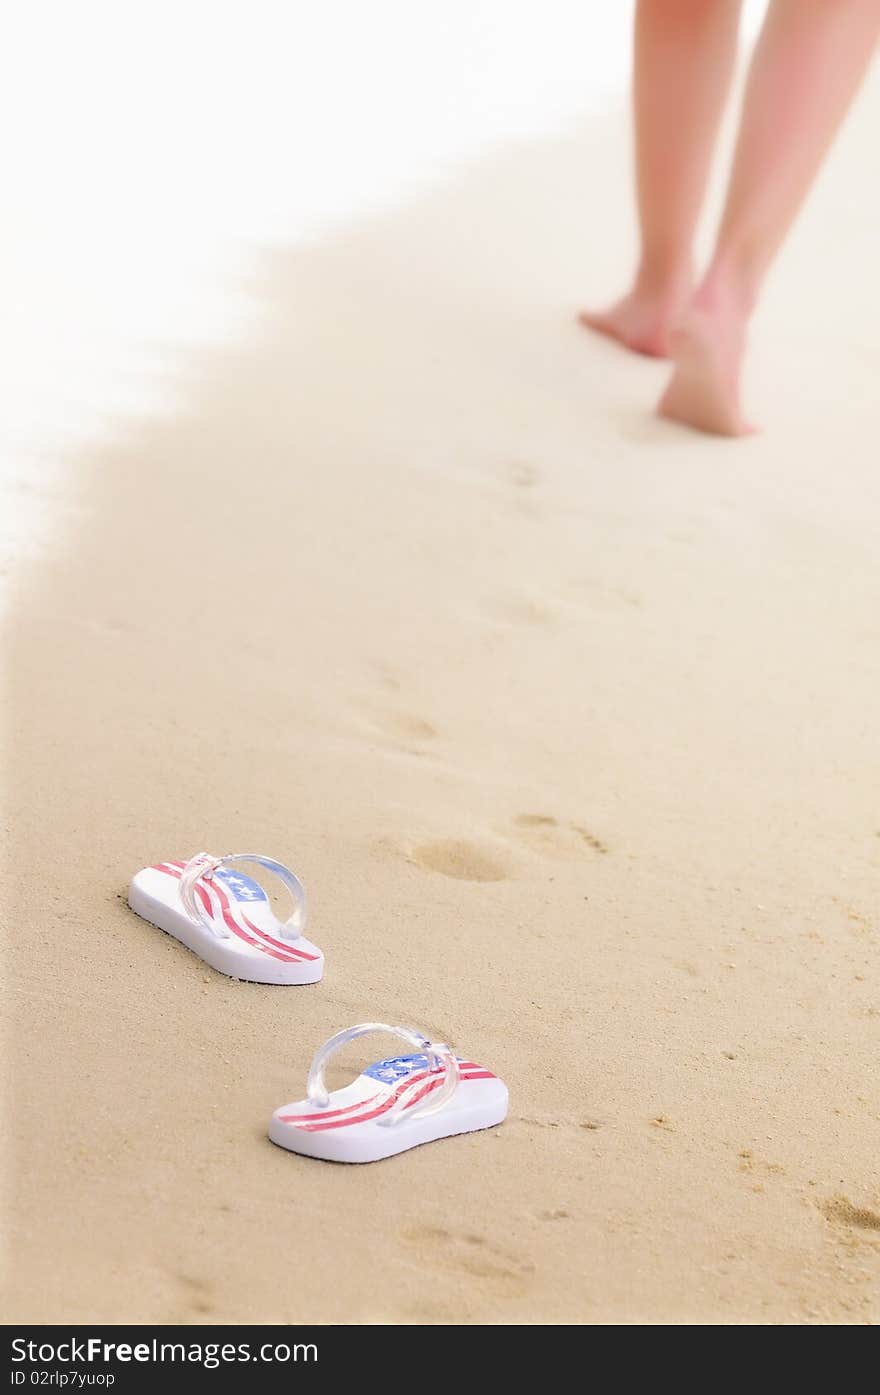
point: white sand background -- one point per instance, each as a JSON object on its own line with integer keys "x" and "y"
{"x": 327, "y": 531}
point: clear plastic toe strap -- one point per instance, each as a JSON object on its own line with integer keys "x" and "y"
{"x": 440, "y": 1057}
{"x": 201, "y": 869}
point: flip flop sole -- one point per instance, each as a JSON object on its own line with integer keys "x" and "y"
{"x": 351, "y": 1129}
{"x": 250, "y": 951}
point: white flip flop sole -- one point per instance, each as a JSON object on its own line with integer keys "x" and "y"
{"x": 237, "y": 934}
{"x": 389, "y": 1107}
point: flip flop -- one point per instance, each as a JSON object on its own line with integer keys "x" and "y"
{"x": 393, "y": 1105}
{"x": 226, "y": 918}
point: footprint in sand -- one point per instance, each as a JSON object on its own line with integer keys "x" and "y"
{"x": 842, "y": 1211}
{"x": 472, "y": 861}
{"x": 196, "y": 1293}
{"x": 468, "y": 862}
{"x": 557, "y": 838}
{"x": 589, "y": 838}
{"x": 386, "y": 676}
{"x": 406, "y": 730}
{"x": 522, "y": 609}
{"x": 523, "y": 475}
{"x": 405, "y": 724}
{"x": 466, "y": 1252}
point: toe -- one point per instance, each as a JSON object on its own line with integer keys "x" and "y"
{"x": 599, "y": 320}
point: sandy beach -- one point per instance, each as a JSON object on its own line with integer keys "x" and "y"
{"x": 568, "y": 720}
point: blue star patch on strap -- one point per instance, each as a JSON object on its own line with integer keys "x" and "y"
{"x": 240, "y": 887}
{"x": 396, "y": 1068}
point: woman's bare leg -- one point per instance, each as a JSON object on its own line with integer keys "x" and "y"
{"x": 684, "y": 55}
{"x": 805, "y": 71}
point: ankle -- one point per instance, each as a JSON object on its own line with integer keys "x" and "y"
{"x": 669, "y": 281}
{"x": 728, "y": 288}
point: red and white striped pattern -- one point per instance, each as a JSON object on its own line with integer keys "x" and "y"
{"x": 219, "y": 906}
{"x": 367, "y": 1109}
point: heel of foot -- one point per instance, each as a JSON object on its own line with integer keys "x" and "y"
{"x": 703, "y": 391}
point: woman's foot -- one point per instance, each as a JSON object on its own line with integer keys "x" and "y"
{"x": 708, "y": 349}
{"x": 644, "y": 320}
